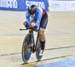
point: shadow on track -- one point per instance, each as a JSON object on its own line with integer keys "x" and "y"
{"x": 66, "y": 47}
{"x": 47, "y": 59}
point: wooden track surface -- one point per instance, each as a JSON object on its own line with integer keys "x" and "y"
{"x": 60, "y": 38}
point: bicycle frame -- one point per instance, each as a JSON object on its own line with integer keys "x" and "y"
{"x": 31, "y": 33}
{"x": 32, "y": 46}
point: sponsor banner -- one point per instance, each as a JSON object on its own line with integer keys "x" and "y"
{"x": 40, "y": 3}
{"x": 62, "y": 5}
{"x": 21, "y": 5}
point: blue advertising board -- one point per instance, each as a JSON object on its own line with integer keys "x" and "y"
{"x": 21, "y": 5}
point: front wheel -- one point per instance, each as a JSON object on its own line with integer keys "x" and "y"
{"x": 26, "y": 50}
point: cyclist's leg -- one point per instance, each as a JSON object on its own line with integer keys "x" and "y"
{"x": 43, "y": 25}
{"x": 42, "y": 39}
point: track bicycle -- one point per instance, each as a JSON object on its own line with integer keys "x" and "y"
{"x": 30, "y": 46}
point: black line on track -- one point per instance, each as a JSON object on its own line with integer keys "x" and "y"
{"x": 45, "y": 50}
{"x": 60, "y": 48}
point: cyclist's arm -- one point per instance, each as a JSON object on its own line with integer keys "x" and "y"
{"x": 27, "y": 18}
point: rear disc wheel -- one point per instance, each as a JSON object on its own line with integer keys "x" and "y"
{"x": 38, "y": 49}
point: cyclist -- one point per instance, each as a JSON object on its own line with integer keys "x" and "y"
{"x": 40, "y": 18}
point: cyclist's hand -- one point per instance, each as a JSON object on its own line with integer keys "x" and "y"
{"x": 26, "y": 24}
{"x": 32, "y": 25}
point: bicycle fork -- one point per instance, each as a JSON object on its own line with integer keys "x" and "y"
{"x": 32, "y": 42}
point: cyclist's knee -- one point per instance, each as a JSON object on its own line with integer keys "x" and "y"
{"x": 41, "y": 35}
